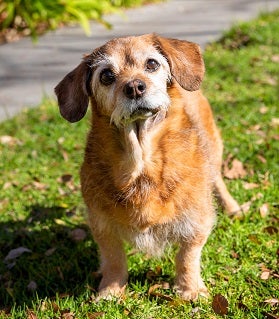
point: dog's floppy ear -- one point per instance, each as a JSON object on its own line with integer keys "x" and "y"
{"x": 73, "y": 92}
{"x": 185, "y": 60}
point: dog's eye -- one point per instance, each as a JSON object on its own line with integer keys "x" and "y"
{"x": 107, "y": 77}
{"x": 152, "y": 65}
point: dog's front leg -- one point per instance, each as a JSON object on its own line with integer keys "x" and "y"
{"x": 189, "y": 284}
{"x": 113, "y": 265}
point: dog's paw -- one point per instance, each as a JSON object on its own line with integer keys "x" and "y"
{"x": 188, "y": 294}
{"x": 239, "y": 212}
{"x": 233, "y": 209}
{"x": 110, "y": 292}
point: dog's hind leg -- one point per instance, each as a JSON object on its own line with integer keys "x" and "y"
{"x": 188, "y": 282}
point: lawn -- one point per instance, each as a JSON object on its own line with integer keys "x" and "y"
{"x": 48, "y": 260}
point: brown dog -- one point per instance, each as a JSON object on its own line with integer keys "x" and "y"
{"x": 153, "y": 155}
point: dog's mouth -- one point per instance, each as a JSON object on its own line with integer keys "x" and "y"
{"x": 142, "y": 113}
{"x": 142, "y": 119}
{"x": 146, "y": 120}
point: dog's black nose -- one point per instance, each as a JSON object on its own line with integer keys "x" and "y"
{"x": 134, "y": 89}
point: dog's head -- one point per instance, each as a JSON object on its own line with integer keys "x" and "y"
{"x": 128, "y": 78}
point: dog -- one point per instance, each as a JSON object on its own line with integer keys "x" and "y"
{"x": 153, "y": 156}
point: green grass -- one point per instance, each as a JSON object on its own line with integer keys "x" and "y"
{"x": 40, "y": 203}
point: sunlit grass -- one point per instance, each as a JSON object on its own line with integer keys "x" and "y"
{"x": 40, "y": 202}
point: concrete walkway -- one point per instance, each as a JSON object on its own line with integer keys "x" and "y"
{"x": 29, "y": 71}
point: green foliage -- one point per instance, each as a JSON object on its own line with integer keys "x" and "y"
{"x": 41, "y": 206}
{"x": 36, "y": 16}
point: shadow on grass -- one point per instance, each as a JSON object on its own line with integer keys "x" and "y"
{"x": 57, "y": 263}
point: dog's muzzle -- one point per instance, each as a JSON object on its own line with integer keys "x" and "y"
{"x": 134, "y": 89}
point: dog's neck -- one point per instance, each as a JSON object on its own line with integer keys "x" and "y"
{"x": 138, "y": 136}
{"x": 127, "y": 152}
{"x": 134, "y": 151}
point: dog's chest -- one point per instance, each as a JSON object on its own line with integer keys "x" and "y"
{"x": 154, "y": 239}
{"x": 143, "y": 185}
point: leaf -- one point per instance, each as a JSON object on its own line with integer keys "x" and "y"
{"x": 234, "y": 254}
{"x": 63, "y": 205}
{"x": 50, "y": 251}
{"x": 126, "y": 312}
{"x": 61, "y": 140}
{"x": 275, "y": 137}
{"x": 263, "y": 109}
{"x": 270, "y": 80}
{"x": 61, "y": 191}
{"x": 250, "y": 185}
{"x": 164, "y": 285}
{"x": 44, "y": 305}
{"x": 153, "y": 274}
{"x": 256, "y": 127}
{"x": 5, "y": 311}
{"x": 257, "y": 196}
{"x": 271, "y": 230}
{"x": 242, "y": 306}
{"x": 65, "y": 155}
{"x": 153, "y": 288}
{"x": 275, "y": 122}
{"x": 264, "y": 210}
{"x": 34, "y": 185}
{"x": 17, "y": 252}
{"x": 65, "y": 178}
{"x": 64, "y": 295}
{"x": 275, "y": 58}
{"x": 236, "y": 171}
{"x": 253, "y": 238}
{"x": 268, "y": 315}
{"x": 9, "y": 140}
{"x": 32, "y": 286}
{"x": 60, "y": 273}
{"x": 39, "y": 186}
{"x": 95, "y": 315}
{"x": 220, "y": 305}
{"x": 78, "y": 234}
{"x": 265, "y": 275}
{"x": 245, "y": 207}
{"x": 7, "y": 185}
{"x": 67, "y": 315}
{"x": 265, "y": 272}
{"x": 161, "y": 296}
{"x": 272, "y": 301}
{"x": 10, "y": 291}
{"x": 194, "y": 311}
{"x": 60, "y": 222}
{"x": 261, "y": 159}
{"x": 31, "y": 314}
{"x": 55, "y": 307}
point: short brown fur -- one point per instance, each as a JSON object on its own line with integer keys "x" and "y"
{"x": 151, "y": 163}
